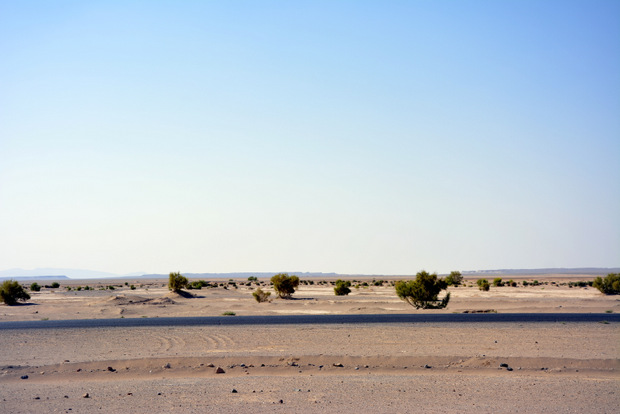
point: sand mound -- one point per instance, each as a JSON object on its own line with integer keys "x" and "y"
{"x": 126, "y": 300}
{"x": 122, "y": 300}
{"x": 161, "y": 301}
{"x": 181, "y": 294}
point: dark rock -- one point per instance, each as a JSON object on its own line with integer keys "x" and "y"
{"x": 167, "y": 366}
{"x": 220, "y": 370}
{"x": 427, "y": 366}
{"x": 338, "y": 364}
{"x": 503, "y": 365}
{"x": 234, "y": 391}
{"x": 281, "y": 401}
{"x": 111, "y": 369}
{"x": 508, "y": 369}
{"x": 24, "y": 377}
{"x": 87, "y": 395}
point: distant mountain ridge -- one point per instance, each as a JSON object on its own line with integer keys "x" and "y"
{"x": 51, "y": 273}
{"x": 546, "y": 271}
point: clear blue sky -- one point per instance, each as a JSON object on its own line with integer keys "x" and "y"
{"x": 375, "y": 137}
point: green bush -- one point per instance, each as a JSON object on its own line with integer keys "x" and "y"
{"x": 454, "y": 278}
{"x": 176, "y": 281}
{"x": 55, "y": 285}
{"x": 11, "y": 292}
{"x": 342, "y": 287}
{"x": 132, "y": 287}
{"x": 610, "y": 285}
{"x": 498, "y": 281}
{"x": 483, "y": 284}
{"x": 35, "y": 287}
{"x": 423, "y": 292}
{"x": 252, "y": 279}
{"x": 284, "y": 285}
{"x": 260, "y": 295}
{"x": 197, "y": 284}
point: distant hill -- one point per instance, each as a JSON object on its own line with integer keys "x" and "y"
{"x": 51, "y": 274}
{"x": 33, "y": 278}
{"x": 546, "y": 271}
{"x": 241, "y": 275}
{"x": 66, "y": 273}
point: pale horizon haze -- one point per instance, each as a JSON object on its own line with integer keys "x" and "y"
{"x": 357, "y": 137}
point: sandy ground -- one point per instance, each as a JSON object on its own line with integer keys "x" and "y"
{"x": 419, "y": 367}
{"x": 151, "y": 298}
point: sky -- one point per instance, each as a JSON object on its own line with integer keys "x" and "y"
{"x": 357, "y": 137}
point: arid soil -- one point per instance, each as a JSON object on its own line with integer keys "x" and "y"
{"x": 416, "y": 367}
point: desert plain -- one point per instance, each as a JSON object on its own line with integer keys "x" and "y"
{"x": 431, "y": 367}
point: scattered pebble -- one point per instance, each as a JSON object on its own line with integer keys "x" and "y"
{"x": 167, "y": 366}
{"x": 338, "y": 364}
{"x": 427, "y": 366}
{"x": 234, "y": 391}
{"x": 24, "y": 377}
{"x": 87, "y": 395}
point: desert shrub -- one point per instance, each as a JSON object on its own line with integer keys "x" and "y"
{"x": 176, "y": 281}
{"x": 342, "y": 287}
{"x": 132, "y": 287}
{"x": 229, "y": 313}
{"x": 111, "y": 287}
{"x": 454, "y": 278}
{"x": 285, "y": 285}
{"x": 483, "y": 284}
{"x": 525, "y": 283}
{"x": 252, "y": 279}
{"x": 423, "y": 292}
{"x": 55, "y": 285}
{"x": 512, "y": 283}
{"x": 126, "y": 283}
{"x": 260, "y": 295}
{"x": 195, "y": 285}
{"x": 11, "y": 291}
{"x": 610, "y": 285}
{"x": 498, "y": 281}
{"x": 35, "y": 287}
